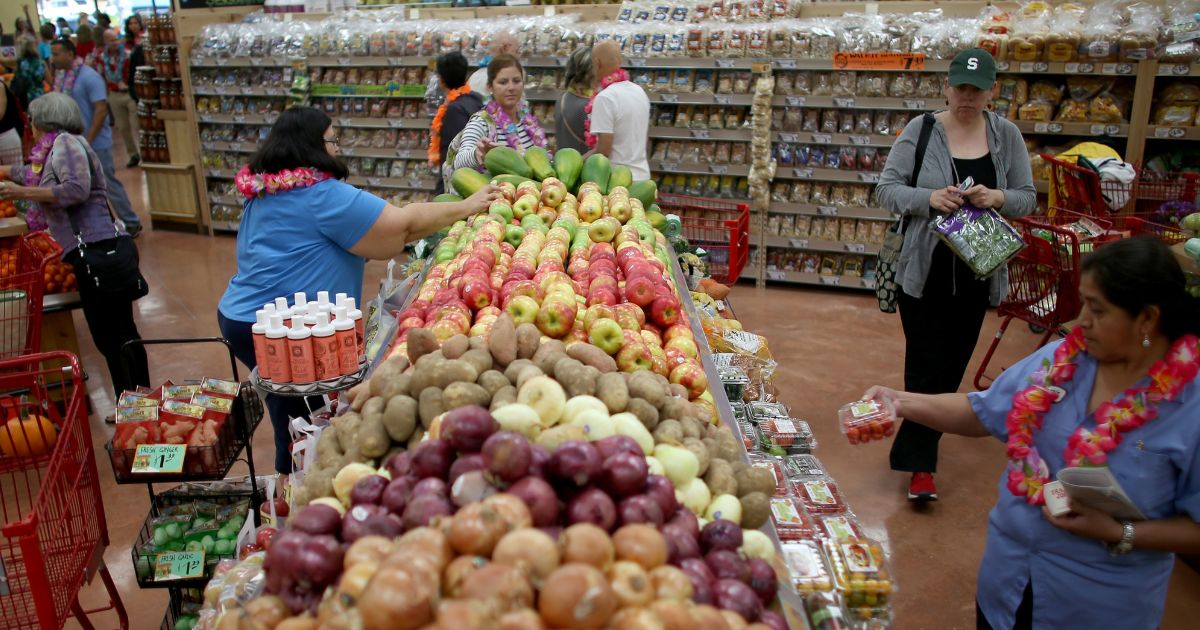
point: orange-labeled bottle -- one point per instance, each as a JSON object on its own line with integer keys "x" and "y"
{"x": 347, "y": 341}
{"x": 300, "y": 352}
{"x": 356, "y": 316}
{"x": 285, "y": 313}
{"x": 325, "y": 349}
{"x": 258, "y": 333}
{"x": 279, "y": 364}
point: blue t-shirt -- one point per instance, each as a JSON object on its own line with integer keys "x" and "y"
{"x": 299, "y": 240}
{"x": 90, "y": 88}
{"x": 44, "y": 51}
{"x": 1076, "y": 583}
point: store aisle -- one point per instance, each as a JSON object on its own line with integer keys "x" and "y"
{"x": 831, "y": 345}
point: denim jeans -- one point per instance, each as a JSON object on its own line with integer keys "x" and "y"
{"x": 116, "y": 192}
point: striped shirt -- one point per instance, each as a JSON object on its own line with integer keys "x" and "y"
{"x": 476, "y": 129}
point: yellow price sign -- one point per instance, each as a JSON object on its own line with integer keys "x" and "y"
{"x": 159, "y": 458}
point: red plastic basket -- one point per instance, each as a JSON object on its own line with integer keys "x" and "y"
{"x": 721, "y": 227}
{"x": 22, "y": 267}
{"x": 53, "y": 531}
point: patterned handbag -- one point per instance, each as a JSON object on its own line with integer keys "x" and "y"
{"x": 885, "y": 284}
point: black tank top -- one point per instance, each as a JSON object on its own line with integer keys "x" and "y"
{"x": 10, "y": 119}
{"x": 980, "y": 168}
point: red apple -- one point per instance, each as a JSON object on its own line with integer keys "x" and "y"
{"x": 684, "y": 345}
{"x": 677, "y": 330}
{"x": 595, "y": 312}
{"x": 411, "y": 322}
{"x": 633, "y": 357}
{"x": 692, "y": 377}
{"x": 639, "y": 290}
{"x": 555, "y": 318}
{"x": 665, "y": 310}
{"x": 602, "y": 296}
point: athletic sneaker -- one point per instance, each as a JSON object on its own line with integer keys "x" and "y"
{"x": 921, "y": 487}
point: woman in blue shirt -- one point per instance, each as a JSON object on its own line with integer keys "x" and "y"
{"x": 1122, "y": 391}
{"x": 304, "y": 229}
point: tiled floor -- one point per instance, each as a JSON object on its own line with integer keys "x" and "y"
{"x": 831, "y": 346}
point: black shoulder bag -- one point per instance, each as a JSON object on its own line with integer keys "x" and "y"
{"x": 885, "y": 277}
{"x": 111, "y": 266}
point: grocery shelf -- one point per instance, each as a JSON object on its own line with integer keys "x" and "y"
{"x": 1160, "y": 132}
{"x": 238, "y": 119}
{"x": 401, "y": 154}
{"x": 403, "y": 183}
{"x": 233, "y": 147}
{"x": 371, "y": 62}
{"x": 827, "y": 174}
{"x": 1179, "y": 69}
{"x": 856, "y": 102}
{"x": 739, "y": 135}
{"x": 224, "y": 200}
{"x": 840, "y": 281}
{"x": 219, "y": 173}
{"x": 784, "y": 63}
{"x": 1073, "y": 129}
{"x": 382, "y": 123}
{"x": 171, "y": 114}
{"x": 818, "y": 245}
{"x": 238, "y": 90}
{"x": 1123, "y": 68}
{"x": 735, "y": 170}
{"x": 816, "y": 210}
{"x": 242, "y": 62}
{"x": 225, "y": 226}
{"x": 843, "y": 139}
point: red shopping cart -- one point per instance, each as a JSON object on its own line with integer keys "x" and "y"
{"x": 721, "y": 227}
{"x": 22, "y": 267}
{"x": 53, "y": 532}
{"x": 1080, "y": 189}
{"x": 1043, "y": 283}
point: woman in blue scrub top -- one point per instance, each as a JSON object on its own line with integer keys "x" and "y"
{"x": 304, "y": 229}
{"x": 1122, "y": 391}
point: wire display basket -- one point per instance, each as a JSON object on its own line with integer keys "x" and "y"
{"x": 721, "y": 227}
{"x": 23, "y": 262}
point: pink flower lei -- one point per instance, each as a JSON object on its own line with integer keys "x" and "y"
{"x": 512, "y": 131}
{"x": 64, "y": 80}
{"x": 615, "y": 77}
{"x": 1028, "y": 472}
{"x": 253, "y": 185}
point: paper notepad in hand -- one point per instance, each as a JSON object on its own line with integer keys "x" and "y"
{"x": 1096, "y": 488}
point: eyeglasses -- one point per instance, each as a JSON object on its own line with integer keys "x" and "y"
{"x": 335, "y": 141}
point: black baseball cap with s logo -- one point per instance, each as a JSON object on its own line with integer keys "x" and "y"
{"x": 973, "y": 66}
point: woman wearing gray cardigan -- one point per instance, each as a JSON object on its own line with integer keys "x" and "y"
{"x": 942, "y": 305}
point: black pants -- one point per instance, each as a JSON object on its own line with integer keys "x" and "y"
{"x": 281, "y": 409}
{"x": 941, "y": 329}
{"x": 110, "y": 320}
{"x": 1023, "y": 620}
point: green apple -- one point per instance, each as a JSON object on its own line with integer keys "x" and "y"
{"x": 525, "y": 205}
{"x": 514, "y": 234}
{"x": 607, "y": 335}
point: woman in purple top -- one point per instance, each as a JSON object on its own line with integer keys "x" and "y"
{"x": 65, "y": 178}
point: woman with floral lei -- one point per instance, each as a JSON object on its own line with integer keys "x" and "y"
{"x": 504, "y": 121}
{"x": 1120, "y": 391}
{"x": 304, "y": 229}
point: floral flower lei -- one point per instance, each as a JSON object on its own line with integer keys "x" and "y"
{"x": 34, "y": 215}
{"x": 1028, "y": 472}
{"x": 435, "y": 138}
{"x": 64, "y": 80}
{"x": 614, "y": 77}
{"x": 253, "y": 185}
{"x": 512, "y": 130}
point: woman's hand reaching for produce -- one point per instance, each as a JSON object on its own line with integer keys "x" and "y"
{"x": 884, "y": 395}
{"x": 946, "y": 199}
{"x": 482, "y": 147}
{"x": 1087, "y": 522}
{"x": 983, "y": 197}
{"x": 480, "y": 201}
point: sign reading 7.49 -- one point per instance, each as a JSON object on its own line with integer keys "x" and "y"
{"x": 878, "y": 61}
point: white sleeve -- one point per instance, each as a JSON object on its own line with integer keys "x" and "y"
{"x": 604, "y": 114}
{"x": 465, "y": 158}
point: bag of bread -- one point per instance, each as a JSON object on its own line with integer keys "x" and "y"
{"x": 1101, "y": 30}
{"x": 1065, "y": 33}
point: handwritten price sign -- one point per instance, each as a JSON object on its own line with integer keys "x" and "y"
{"x": 159, "y": 458}
{"x": 178, "y": 565}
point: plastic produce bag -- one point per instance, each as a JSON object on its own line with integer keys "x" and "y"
{"x": 981, "y": 237}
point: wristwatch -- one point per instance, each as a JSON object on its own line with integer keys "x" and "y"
{"x": 1125, "y": 545}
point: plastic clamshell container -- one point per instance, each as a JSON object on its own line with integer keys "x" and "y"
{"x": 791, "y": 521}
{"x": 740, "y": 411}
{"x": 820, "y": 496}
{"x": 825, "y": 611}
{"x": 735, "y": 381}
{"x": 761, "y": 411}
{"x": 861, "y": 575}
{"x": 793, "y": 436}
{"x": 749, "y": 434}
{"x": 804, "y": 466}
{"x": 806, "y": 565}
{"x": 837, "y": 527}
{"x": 867, "y": 420}
{"x": 782, "y": 489}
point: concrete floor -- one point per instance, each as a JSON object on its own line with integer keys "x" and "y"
{"x": 831, "y": 346}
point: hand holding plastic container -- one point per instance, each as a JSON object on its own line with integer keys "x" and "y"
{"x": 867, "y": 420}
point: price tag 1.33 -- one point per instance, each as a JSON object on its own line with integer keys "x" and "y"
{"x": 159, "y": 458}
{"x": 178, "y": 565}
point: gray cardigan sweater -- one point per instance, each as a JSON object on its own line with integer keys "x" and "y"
{"x": 1013, "y": 175}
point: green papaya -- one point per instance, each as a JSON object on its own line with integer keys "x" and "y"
{"x": 505, "y": 160}
{"x": 620, "y": 176}
{"x": 539, "y": 162}
{"x": 466, "y": 181}
{"x": 447, "y": 197}
{"x": 597, "y": 169}
{"x": 515, "y": 180}
{"x": 645, "y": 191}
{"x": 567, "y": 165}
